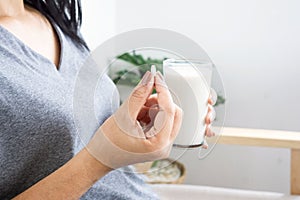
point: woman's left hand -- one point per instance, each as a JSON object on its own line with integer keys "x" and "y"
{"x": 210, "y": 117}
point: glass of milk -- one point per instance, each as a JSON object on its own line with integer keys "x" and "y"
{"x": 189, "y": 83}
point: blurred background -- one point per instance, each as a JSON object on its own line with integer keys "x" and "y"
{"x": 255, "y": 45}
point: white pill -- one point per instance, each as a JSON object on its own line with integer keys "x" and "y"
{"x": 153, "y": 70}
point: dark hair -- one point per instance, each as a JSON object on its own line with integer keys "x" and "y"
{"x": 66, "y": 14}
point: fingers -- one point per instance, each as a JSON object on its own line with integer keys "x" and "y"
{"x": 171, "y": 127}
{"x": 164, "y": 97}
{"x": 211, "y": 115}
{"x": 147, "y": 115}
{"x": 210, "y": 101}
{"x": 161, "y": 129}
{"x": 151, "y": 104}
{"x": 209, "y": 132}
{"x": 165, "y": 119}
{"x": 163, "y": 123}
{"x": 140, "y": 94}
{"x": 168, "y": 116}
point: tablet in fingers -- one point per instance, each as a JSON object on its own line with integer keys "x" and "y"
{"x": 164, "y": 97}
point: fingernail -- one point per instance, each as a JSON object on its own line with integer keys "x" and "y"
{"x": 205, "y": 145}
{"x": 146, "y": 78}
{"x": 209, "y": 133}
{"x": 160, "y": 79}
{"x": 208, "y": 126}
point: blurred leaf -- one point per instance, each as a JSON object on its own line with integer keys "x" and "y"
{"x": 139, "y": 59}
{"x": 128, "y": 58}
{"x": 122, "y": 72}
{"x": 154, "y": 164}
{"x": 220, "y": 100}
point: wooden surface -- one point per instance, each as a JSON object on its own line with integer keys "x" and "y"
{"x": 268, "y": 138}
{"x": 259, "y": 137}
{"x": 295, "y": 171}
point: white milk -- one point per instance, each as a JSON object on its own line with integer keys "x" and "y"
{"x": 189, "y": 86}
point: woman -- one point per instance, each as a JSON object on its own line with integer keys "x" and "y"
{"x": 41, "y": 51}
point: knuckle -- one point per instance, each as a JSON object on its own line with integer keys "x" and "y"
{"x": 170, "y": 110}
{"x": 179, "y": 111}
{"x": 139, "y": 92}
{"x": 151, "y": 147}
{"x": 164, "y": 153}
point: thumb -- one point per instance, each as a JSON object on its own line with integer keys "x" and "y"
{"x": 140, "y": 94}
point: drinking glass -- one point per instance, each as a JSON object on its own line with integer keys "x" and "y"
{"x": 189, "y": 83}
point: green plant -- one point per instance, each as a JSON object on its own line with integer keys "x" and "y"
{"x": 132, "y": 78}
{"x": 220, "y": 100}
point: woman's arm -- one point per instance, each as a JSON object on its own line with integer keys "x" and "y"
{"x": 117, "y": 137}
{"x": 70, "y": 181}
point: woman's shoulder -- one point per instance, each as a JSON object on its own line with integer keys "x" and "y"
{"x": 12, "y": 50}
{"x": 9, "y": 33}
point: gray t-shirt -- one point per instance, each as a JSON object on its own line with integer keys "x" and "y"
{"x": 37, "y": 126}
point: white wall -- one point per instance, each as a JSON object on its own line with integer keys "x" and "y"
{"x": 255, "y": 44}
{"x": 98, "y": 22}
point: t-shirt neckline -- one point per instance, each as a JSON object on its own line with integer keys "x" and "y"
{"x": 60, "y": 40}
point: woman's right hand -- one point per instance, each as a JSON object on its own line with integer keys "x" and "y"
{"x": 121, "y": 140}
